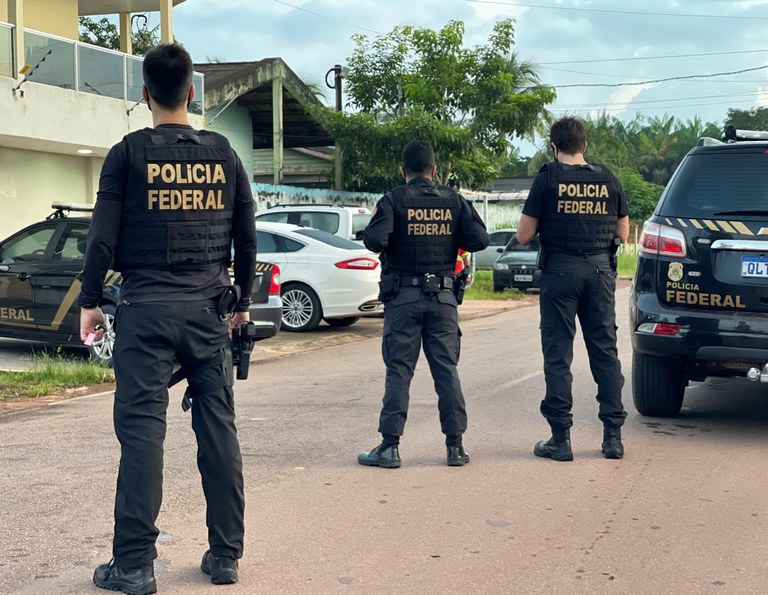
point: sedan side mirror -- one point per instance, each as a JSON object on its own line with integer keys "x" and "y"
{"x": 500, "y": 250}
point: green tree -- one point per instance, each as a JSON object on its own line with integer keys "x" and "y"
{"x": 755, "y": 118}
{"x": 104, "y": 33}
{"x": 417, "y": 83}
{"x": 642, "y": 196}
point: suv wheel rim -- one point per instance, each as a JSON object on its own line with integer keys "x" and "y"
{"x": 104, "y": 347}
{"x": 297, "y": 308}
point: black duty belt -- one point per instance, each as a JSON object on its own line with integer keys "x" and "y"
{"x": 429, "y": 282}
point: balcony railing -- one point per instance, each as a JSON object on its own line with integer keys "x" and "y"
{"x": 81, "y": 67}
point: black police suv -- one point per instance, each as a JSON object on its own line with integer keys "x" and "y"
{"x": 517, "y": 265}
{"x": 699, "y": 304}
{"x": 39, "y": 286}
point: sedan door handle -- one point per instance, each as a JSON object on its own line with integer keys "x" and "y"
{"x": 23, "y": 276}
{"x": 4, "y": 268}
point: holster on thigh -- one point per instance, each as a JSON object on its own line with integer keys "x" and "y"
{"x": 209, "y": 378}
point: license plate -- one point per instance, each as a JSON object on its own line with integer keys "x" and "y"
{"x": 523, "y": 277}
{"x": 754, "y": 266}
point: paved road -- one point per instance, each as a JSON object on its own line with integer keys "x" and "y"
{"x": 684, "y": 512}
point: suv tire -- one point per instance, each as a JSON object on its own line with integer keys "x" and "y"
{"x": 301, "y": 308}
{"x": 658, "y": 384}
{"x": 102, "y": 351}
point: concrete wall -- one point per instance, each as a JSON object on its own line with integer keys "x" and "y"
{"x": 57, "y": 17}
{"x": 235, "y": 123}
{"x": 293, "y": 163}
{"x": 30, "y": 181}
{"x": 3, "y": 11}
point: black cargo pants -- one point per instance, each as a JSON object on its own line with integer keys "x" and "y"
{"x": 150, "y": 336}
{"x": 582, "y": 286}
{"x": 413, "y": 318}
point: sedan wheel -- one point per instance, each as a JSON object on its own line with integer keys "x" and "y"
{"x": 301, "y": 308}
{"x": 102, "y": 350}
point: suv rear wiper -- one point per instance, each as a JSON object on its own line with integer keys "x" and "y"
{"x": 750, "y": 212}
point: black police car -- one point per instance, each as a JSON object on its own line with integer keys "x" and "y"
{"x": 517, "y": 265}
{"x": 699, "y": 304}
{"x": 39, "y": 288}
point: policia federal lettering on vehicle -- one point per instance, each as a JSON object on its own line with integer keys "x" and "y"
{"x": 419, "y": 229}
{"x": 580, "y": 213}
{"x": 172, "y": 203}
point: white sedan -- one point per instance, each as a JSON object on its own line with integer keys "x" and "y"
{"x": 323, "y": 276}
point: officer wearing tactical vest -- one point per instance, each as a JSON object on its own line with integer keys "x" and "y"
{"x": 172, "y": 203}
{"x": 580, "y": 213}
{"x": 419, "y": 228}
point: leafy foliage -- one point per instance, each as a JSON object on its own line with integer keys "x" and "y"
{"x": 416, "y": 83}
{"x": 104, "y": 33}
{"x": 755, "y": 118}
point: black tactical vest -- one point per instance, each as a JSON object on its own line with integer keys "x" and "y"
{"x": 424, "y": 237}
{"x": 177, "y": 213}
{"x": 579, "y": 209}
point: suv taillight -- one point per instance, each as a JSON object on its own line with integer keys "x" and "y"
{"x": 663, "y": 240}
{"x": 274, "y": 281}
{"x": 358, "y": 264}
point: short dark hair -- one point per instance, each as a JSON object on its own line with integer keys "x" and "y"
{"x": 418, "y": 158}
{"x": 569, "y": 135}
{"x": 168, "y": 74}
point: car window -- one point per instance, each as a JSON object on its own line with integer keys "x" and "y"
{"x": 329, "y": 238}
{"x": 28, "y": 246}
{"x": 360, "y": 222}
{"x": 709, "y": 183}
{"x": 71, "y": 246}
{"x": 515, "y": 246}
{"x": 325, "y": 221}
{"x": 265, "y": 242}
{"x": 292, "y": 245}
{"x": 281, "y": 217}
{"x": 500, "y": 238}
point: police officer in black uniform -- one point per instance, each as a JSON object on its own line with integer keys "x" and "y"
{"x": 419, "y": 228}
{"x": 579, "y": 210}
{"x": 172, "y": 203}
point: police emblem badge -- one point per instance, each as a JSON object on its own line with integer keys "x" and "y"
{"x": 675, "y": 272}
{"x": 763, "y": 231}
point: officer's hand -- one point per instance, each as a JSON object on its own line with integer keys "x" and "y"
{"x": 238, "y": 318}
{"x": 89, "y": 319}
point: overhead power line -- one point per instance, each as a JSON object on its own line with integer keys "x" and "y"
{"x": 665, "y": 100}
{"x": 613, "y": 11}
{"x": 325, "y": 16}
{"x": 651, "y": 81}
{"x": 653, "y": 107}
{"x": 654, "y": 57}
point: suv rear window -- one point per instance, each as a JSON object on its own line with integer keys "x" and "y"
{"x": 328, "y": 238}
{"x": 712, "y": 184}
{"x": 360, "y": 222}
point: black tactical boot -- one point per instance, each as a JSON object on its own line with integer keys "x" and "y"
{"x": 139, "y": 581}
{"x": 557, "y": 448}
{"x": 457, "y": 456}
{"x": 384, "y": 455}
{"x": 221, "y": 569}
{"x": 612, "y": 446}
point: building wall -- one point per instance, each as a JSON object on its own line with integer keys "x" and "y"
{"x": 235, "y": 123}
{"x": 3, "y": 11}
{"x": 293, "y": 162}
{"x": 57, "y": 17}
{"x": 30, "y": 181}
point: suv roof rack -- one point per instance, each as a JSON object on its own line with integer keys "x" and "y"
{"x": 707, "y": 141}
{"x": 732, "y": 134}
{"x": 61, "y": 208}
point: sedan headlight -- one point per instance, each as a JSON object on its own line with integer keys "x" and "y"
{"x": 499, "y": 267}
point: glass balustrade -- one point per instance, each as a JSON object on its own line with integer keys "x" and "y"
{"x": 6, "y": 50}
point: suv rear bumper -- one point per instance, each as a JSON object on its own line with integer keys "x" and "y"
{"x": 705, "y": 335}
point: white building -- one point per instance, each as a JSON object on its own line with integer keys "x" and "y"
{"x": 60, "y": 118}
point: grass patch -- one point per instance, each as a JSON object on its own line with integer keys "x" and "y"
{"x": 627, "y": 264}
{"x": 52, "y": 374}
{"x": 482, "y": 289}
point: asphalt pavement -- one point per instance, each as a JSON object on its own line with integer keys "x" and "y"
{"x": 683, "y": 512}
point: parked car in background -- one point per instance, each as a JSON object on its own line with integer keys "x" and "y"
{"x": 39, "y": 285}
{"x": 345, "y": 221}
{"x": 324, "y": 277}
{"x": 516, "y": 267}
{"x": 485, "y": 259}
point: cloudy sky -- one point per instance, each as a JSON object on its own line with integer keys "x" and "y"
{"x": 574, "y": 42}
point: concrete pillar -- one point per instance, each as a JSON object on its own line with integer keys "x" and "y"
{"x": 126, "y": 39}
{"x": 277, "y": 128}
{"x": 16, "y": 18}
{"x": 166, "y": 21}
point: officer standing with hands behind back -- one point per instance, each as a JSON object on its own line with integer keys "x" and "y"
{"x": 419, "y": 228}
{"x": 171, "y": 204}
{"x": 578, "y": 210}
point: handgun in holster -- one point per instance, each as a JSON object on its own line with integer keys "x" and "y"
{"x": 613, "y": 254}
{"x": 541, "y": 261}
{"x": 460, "y": 285}
{"x": 389, "y": 286}
{"x": 242, "y": 345}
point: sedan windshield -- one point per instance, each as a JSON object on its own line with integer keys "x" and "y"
{"x": 328, "y": 238}
{"x": 515, "y": 246}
